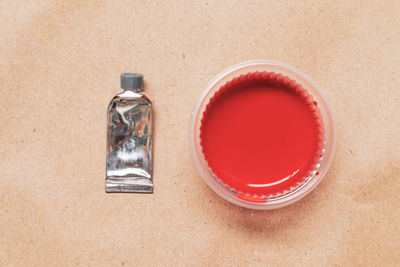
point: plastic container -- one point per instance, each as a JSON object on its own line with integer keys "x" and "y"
{"x": 251, "y": 199}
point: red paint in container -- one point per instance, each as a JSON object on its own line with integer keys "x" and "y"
{"x": 258, "y": 135}
{"x": 261, "y": 134}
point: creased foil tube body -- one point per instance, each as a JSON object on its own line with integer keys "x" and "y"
{"x": 129, "y": 141}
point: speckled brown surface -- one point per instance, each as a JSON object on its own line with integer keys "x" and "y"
{"x": 59, "y": 67}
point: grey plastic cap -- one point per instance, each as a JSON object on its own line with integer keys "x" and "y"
{"x": 131, "y": 81}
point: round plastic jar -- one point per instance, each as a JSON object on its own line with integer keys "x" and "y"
{"x": 240, "y": 192}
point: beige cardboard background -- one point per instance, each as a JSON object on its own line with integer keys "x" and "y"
{"x": 60, "y": 65}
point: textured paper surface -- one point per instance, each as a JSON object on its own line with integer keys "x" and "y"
{"x": 59, "y": 67}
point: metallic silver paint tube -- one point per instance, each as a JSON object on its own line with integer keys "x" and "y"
{"x": 129, "y": 139}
